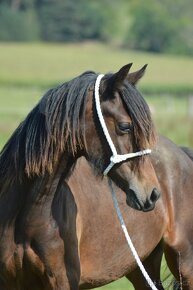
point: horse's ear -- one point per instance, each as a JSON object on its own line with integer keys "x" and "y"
{"x": 118, "y": 78}
{"x": 134, "y": 77}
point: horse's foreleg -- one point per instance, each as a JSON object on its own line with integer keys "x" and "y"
{"x": 181, "y": 265}
{"x": 152, "y": 265}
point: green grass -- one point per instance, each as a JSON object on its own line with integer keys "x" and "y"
{"x": 41, "y": 64}
{"x": 15, "y": 103}
{"x": 171, "y": 116}
{"x": 28, "y": 69}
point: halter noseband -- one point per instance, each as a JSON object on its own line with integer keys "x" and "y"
{"x": 115, "y": 158}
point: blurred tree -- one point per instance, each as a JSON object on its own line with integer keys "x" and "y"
{"x": 69, "y": 20}
{"x": 151, "y": 28}
{"x": 181, "y": 13}
{"x": 15, "y": 4}
{"x": 116, "y": 18}
{"x": 18, "y": 25}
{"x": 161, "y": 26}
{"x": 18, "y": 5}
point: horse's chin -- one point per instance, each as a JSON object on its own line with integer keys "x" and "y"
{"x": 134, "y": 203}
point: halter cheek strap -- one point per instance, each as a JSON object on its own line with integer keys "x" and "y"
{"x": 115, "y": 158}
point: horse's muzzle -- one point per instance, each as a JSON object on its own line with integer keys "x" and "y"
{"x": 136, "y": 203}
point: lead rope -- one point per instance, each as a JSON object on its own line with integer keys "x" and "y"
{"x": 129, "y": 241}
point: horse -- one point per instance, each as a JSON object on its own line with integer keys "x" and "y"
{"x": 95, "y": 249}
{"x": 41, "y": 154}
{"x": 102, "y": 251}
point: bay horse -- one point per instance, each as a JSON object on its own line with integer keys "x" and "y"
{"x": 102, "y": 252}
{"x": 41, "y": 154}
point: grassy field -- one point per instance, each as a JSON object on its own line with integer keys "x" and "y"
{"x": 46, "y": 64}
{"x": 27, "y": 70}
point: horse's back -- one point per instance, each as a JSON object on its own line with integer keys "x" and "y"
{"x": 188, "y": 151}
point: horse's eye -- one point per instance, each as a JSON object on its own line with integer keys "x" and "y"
{"x": 125, "y": 127}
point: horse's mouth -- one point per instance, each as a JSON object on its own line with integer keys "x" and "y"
{"x": 137, "y": 204}
{"x": 132, "y": 201}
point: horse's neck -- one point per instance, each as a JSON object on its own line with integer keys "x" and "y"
{"x": 44, "y": 188}
{"x": 33, "y": 194}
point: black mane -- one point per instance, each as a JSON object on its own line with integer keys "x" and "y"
{"x": 54, "y": 126}
{"x": 51, "y": 126}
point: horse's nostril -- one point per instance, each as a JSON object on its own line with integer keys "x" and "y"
{"x": 154, "y": 195}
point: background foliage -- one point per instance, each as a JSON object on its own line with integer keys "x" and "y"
{"x": 151, "y": 25}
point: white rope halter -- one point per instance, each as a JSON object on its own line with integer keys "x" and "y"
{"x": 128, "y": 239}
{"x": 115, "y": 158}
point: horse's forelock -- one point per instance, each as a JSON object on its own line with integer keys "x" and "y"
{"x": 139, "y": 112}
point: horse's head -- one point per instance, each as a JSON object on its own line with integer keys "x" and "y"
{"x": 104, "y": 118}
{"x": 122, "y": 126}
